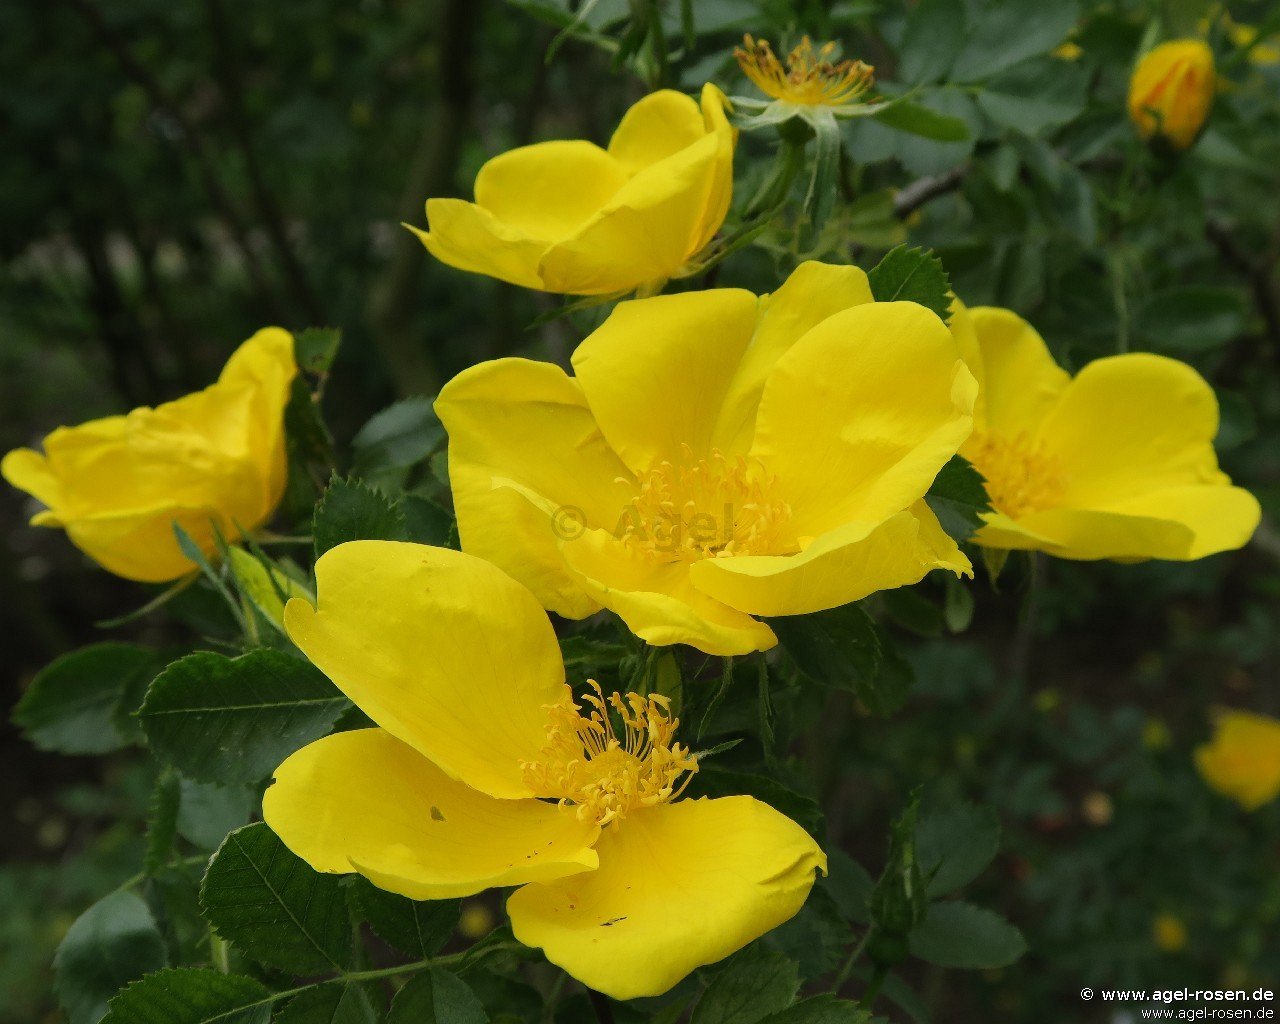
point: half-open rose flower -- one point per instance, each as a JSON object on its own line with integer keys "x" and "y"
{"x": 1116, "y": 462}
{"x": 485, "y": 772}
{"x": 717, "y": 456}
{"x": 210, "y": 462}
{"x": 571, "y": 217}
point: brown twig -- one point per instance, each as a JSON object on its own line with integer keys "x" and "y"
{"x": 923, "y": 190}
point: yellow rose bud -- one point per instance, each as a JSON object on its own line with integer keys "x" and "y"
{"x": 574, "y": 218}
{"x": 1242, "y": 761}
{"x": 211, "y": 460}
{"x": 1172, "y": 90}
{"x": 1169, "y": 933}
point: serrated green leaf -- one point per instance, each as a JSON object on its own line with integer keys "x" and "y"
{"x": 912, "y": 275}
{"x": 351, "y": 510}
{"x": 955, "y": 844}
{"x": 958, "y": 934}
{"x": 417, "y": 929}
{"x": 754, "y": 984}
{"x": 329, "y": 1004}
{"x": 823, "y": 1009}
{"x": 114, "y": 942}
{"x": 315, "y": 348}
{"x": 273, "y": 906}
{"x": 397, "y": 437}
{"x": 234, "y": 720}
{"x": 81, "y": 703}
{"x": 437, "y": 997}
{"x": 188, "y": 995}
{"x": 958, "y": 497}
{"x": 207, "y": 812}
{"x": 427, "y": 522}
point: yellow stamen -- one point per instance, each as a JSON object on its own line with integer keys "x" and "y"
{"x": 1022, "y": 477}
{"x": 810, "y": 78}
{"x": 586, "y": 765}
{"x": 706, "y": 508}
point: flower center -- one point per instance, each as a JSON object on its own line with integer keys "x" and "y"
{"x": 706, "y": 508}
{"x": 810, "y": 77}
{"x": 587, "y": 765}
{"x": 1022, "y": 477}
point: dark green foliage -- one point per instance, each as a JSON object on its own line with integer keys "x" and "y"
{"x": 958, "y": 497}
{"x": 351, "y": 510}
{"x": 436, "y": 997}
{"x": 114, "y": 942}
{"x": 754, "y": 984}
{"x": 416, "y": 929}
{"x": 912, "y": 275}
{"x": 191, "y": 996}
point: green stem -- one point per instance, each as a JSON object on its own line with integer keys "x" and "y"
{"x": 726, "y": 679}
{"x": 854, "y": 956}
{"x": 873, "y": 989}
{"x": 219, "y": 952}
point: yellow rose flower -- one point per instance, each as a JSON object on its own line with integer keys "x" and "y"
{"x": 1117, "y": 462}
{"x": 1242, "y": 761}
{"x": 716, "y": 456}
{"x": 1169, "y": 933}
{"x": 213, "y": 460}
{"x": 1172, "y": 90}
{"x": 571, "y": 217}
{"x": 484, "y": 772}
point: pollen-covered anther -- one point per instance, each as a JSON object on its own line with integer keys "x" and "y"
{"x": 604, "y": 775}
{"x": 811, "y": 76}
{"x": 706, "y": 508}
{"x": 1022, "y": 477}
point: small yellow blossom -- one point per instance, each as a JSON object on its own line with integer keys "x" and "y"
{"x": 1116, "y": 462}
{"x": 213, "y": 461}
{"x": 476, "y": 920}
{"x": 811, "y": 77}
{"x": 1242, "y": 760}
{"x": 1169, "y": 933}
{"x": 483, "y": 771}
{"x": 717, "y": 456}
{"x": 573, "y": 218}
{"x": 1172, "y": 90}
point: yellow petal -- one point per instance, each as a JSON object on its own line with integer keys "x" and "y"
{"x": 845, "y": 565}
{"x": 813, "y": 292}
{"x": 28, "y": 470}
{"x": 467, "y": 237}
{"x": 1242, "y": 761}
{"x": 363, "y": 801}
{"x": 859, "y": 416}
{"x": 714, "y": 105}
{"x": 679, "y": 885}
{"x": 442, "y": 650}
{"x": 658, "y": 602}
{"x": 646, "y": 232}
{"x": 1129, "y": 425}
{"x": 656, "y": 127}
{"x": 527, "y": 423}
{"x": 1017, "y": 376}
{"x": 550, "y": 189}
{"x": 142, "y": 545}
{"x": 656, "y": 372}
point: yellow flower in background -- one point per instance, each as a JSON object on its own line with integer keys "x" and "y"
{"x": 1172, "y": 90}
{"x": 1242, "y": 760}
{"x": 717, "y": 456}
{"x": 1117, "y": 462}
{"x": 213, "y": 461}
{"x": 571, "y": 217}
{"x": 484, "y": 772}
{"x": 1169, "y": 933}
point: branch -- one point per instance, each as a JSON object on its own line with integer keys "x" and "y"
{"x": 924, "y": 190}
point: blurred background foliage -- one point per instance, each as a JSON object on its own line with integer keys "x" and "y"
{"x": 177, "y": 173}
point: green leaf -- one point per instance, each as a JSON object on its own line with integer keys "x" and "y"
{"x": 932, "y": 40}
{"x": 273, "y": 906}
{"x": 823, "y": 185}
{"x": 417, "y": 929}
{"x": 1238, "y": 424}
{"x": 844, "y": 648}
{"x": 1037, "y": 97}
{"x": 114, "y": 942}
{"x": 912, "y": 275}
{"x": 188, "y": 995}
{"x": 427, "y": 522}
{"x": 958, "y": 934}
{"x": 755, "y": 983}
{"x": 162, "y": 823}
{"x": 850, "y": 886}
{"x": 823, "y": 1009}
{"x": 315, "y": 348}
{"x": 229, "y": 720}
{"x": 207, "y": 812}
{"x": 329, "y": 1004}
{"x": 436, "y": 997}
{"x": 351, "y": 510}
{"x": 81, "y": 703}
{"x": 397, "y": 437}
{"x": 899, "y": 900}
{"x": 905, "y": 116}
{"x": 713, "y": 781}
{"x": 1192, "y": 319}
{"x": 267, "y": 588}
{"x": 955, "y": 844}
{"x": 958, "y": 497}
{"x": 1005, "y": 32}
